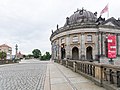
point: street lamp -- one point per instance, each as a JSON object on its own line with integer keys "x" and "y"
{"x": 16, "y": 48}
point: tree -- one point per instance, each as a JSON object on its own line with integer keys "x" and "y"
{"x": 24, "y": 56}
{"x": 36, "y": 53}
{"x": 43, "y": 57}
{"x": 48, "y": 56}
{"x": 3, "y": 55}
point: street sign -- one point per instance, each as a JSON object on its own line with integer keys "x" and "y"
{"x": 111, "y": 46}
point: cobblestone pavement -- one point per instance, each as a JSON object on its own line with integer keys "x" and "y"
{"x": 23, "y": 76}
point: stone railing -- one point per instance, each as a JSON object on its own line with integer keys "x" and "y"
{"x": 107, "y": 76}
{"x": 9, "y": 61}
{"x": 6, "y": 61}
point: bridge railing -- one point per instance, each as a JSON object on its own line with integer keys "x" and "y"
{"x": 104, "y": 75}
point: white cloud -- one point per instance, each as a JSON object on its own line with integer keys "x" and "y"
{"x": 28, "y": 23}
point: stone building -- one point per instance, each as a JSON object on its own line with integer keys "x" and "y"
{"x": 83, "y": 37}
{"x": 7, "y": 49}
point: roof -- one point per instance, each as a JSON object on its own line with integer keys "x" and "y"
{"x": 81, "y": 16}
{"x": 113, "y": 21}
{"x": 4, "y": 45}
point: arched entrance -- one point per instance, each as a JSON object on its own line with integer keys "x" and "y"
{"x": 89, "y": 53}
{"x": 62, "y": 52}
{"x": 75, "y": 53}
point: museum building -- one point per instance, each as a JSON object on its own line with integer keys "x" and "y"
{"x": 84, "y": 37}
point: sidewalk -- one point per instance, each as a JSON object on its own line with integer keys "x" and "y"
{"x": 59, "y": 77}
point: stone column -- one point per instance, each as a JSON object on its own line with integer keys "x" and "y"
{"x": 104, "y": 38}
{"x": 118, "y": 44}
{"x": 99, "y": 46}
{"x": 117, "y": 41}
{"x": 57, "y": 45}
{"x": 59, "y": 50}
{"x": 68, "y": 47}
{"x": 82, "y": 46}
{"x": 99, "y": 42}
{"x": 93, "y": 46}
{"x": 96, "y": 45}
{"x": 52, "y": 50}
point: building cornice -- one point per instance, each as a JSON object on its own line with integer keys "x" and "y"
{"x": 72, "y": 27}
{"x": 80, "y": 26}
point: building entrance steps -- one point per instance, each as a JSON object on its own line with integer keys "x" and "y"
{"x": 59, "y": 77}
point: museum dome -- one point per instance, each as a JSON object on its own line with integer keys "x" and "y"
{"x": 81, "y": 16}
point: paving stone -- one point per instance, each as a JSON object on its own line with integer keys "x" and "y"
{"x": 23, "y": 76}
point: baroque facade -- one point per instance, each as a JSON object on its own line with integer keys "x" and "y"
{"x": 83, "y": 37}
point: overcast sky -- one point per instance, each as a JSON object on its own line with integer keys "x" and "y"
{"x": 28, "y": 23}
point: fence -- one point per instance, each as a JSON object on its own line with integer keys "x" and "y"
{"x": 104, "y": 75}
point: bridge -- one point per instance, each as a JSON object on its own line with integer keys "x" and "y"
{"x": 59, "y": 75}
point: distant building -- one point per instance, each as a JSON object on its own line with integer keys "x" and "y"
{"x": 19, "y": 55}
{"x": 7, "y": 49}
{"x": 83, "y": 37}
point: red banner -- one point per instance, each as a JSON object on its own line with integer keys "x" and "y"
{"x": 111, "y": 46}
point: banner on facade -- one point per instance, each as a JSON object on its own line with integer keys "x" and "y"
{"x": 111, "y": 46}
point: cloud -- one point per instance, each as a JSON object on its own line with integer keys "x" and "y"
{"x": 28, "y": 23}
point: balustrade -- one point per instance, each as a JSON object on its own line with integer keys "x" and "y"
{"x": 102, "y": 74}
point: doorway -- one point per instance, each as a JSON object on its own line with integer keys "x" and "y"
{"x": 75, "y": 53}
{"x": 62, "y": 52}
{"x": 89, "y": 55}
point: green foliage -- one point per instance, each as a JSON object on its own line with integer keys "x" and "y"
{"x": 36, "y": 53}
{"x": 43, "y": 57}
{"x": 24, "y": 56}
{"x": 46, "y": 56}
{"x": 3, "y": 55}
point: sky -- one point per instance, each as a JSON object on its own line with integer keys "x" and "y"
{"x": 28, "y": 23}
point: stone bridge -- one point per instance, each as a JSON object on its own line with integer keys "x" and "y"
{"x": 47, "y": 75}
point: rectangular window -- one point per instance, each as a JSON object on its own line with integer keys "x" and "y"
{"x": 75, "y": 39}
{"x": 89, "y": 38}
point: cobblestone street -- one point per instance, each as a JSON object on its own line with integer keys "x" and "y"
{"x": 23, "y": 76}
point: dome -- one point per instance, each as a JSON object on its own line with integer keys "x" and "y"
{"x": 81, "y": 16}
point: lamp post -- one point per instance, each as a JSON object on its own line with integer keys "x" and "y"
{"x": 16, "y": 48}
